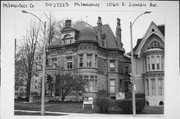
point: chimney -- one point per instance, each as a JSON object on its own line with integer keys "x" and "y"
{"x": 68, "y": 23}
{"x": 118, "y": 33}
{"x": 118, "y": 24}
{"x": 99, "y": 25}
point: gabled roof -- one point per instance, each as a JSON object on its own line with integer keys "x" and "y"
{"x": 110, "y": 37}
{"x": 137, "y": 44}
{"x": 162, "y": 29}
{"x": 158, "y": 30}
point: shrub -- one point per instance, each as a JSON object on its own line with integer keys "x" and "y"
{"x": 103, "y": 104}
{"x": 102, "y": 101}
{"x": 138, "y": 95}
{"x": 126, "y": 105}
{"x": 102, "y": 93}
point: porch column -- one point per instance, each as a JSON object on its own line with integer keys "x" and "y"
{"x": 146, "y": 91}
{"x": 150, "y": 87}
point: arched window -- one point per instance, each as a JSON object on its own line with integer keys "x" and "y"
{"x": 67, "y": 39}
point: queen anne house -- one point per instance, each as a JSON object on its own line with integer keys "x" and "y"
{"x": 149, "y": 65}
{"x": 93, "y": 52}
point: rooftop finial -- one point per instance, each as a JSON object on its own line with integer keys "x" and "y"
{"x": 99, "y": 20}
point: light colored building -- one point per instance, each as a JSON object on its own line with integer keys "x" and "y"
{"x": 35, "y": 85}
{"x": 20, "y": 92}
{"x": 93, "y": 52}
{"x": 149, "y": 65}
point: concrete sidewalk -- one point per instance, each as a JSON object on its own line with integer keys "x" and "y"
{"x": 93, "y": 114}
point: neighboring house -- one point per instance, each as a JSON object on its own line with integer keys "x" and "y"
{"x": 38, "y": 61}
{"x": 149, "y": 65}
{"x": 35, "y": 80}
{"x": 35, "y": 85}
{"x": 93, "y": 52}
{"x": 20, "y": 87}
{"x": 20, "y": 92}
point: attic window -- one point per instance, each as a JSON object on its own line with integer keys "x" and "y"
{"x": 153, "y": 30}
{"x": 155, "y": 44}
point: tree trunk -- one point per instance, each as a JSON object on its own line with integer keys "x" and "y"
{"x": 63, "y": 96}
{"x": 28, "y": 88}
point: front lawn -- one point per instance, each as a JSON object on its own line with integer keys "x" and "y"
{"x": 36, "y": 113}
{"x": 76, "y": 108}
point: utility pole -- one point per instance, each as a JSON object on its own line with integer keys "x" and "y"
{"x": 132, "y": 64}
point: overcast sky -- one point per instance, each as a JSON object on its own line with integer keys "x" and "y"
{"x": 22, "y": 21}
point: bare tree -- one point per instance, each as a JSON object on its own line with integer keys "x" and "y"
{"x": 53, "y": 30}
{"x": 27, "y": 51}
{"x": 20, "y": 73}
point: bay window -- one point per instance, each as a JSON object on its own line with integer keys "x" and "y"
{"x": 154, "y": 62}
{"x": 54, "y": 61}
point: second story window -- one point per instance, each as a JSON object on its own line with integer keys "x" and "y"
{"x": 112, "y": 65}
{"x": 153, "y": 62}
{"x": 81, "y": 60}
{"x": 69, "y": 62}
{"x": 54, "y": 61}
{"x": 89, "y": 60}
{"x": 126, "y": 70}
{"x": 162, "y": 63}
{"x": 158, "y": 62}
{"x": 148, "y": 63}
{"x": 96, "y": 60}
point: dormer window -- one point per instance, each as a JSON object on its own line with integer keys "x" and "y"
{"x": 67, "y": 39}
{"x": 67, "y": 36}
